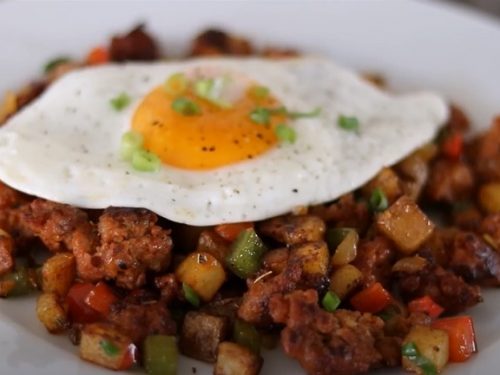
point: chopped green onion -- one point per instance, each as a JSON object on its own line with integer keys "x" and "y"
{"x": 131, "y": 141}
{"x": 160, "y": 355}
{"x": 294, "y": 115}
{"x": 109, "y": 348}
{"x": 120, "y": 102}
{"x": 246, "y": 254}
{"x": 285, "y": 133}
{"x": 54, "y": 63}
{"x": 259, "y": 92}
{"x": 186, "y": 107}
{"x": 247, "y": 335}
{"x": 330, "y": 302}
{"x": 348, "y": 123}
{"x": 378, "y": 201}
{"x": 190, "y": 295}
{"x": 410, "y": 351}
{"x": 335, "y": 236}
{"x": 145, "y": 161}
{"x": 202, "y": 87}
{"x": 176, "y": 84}
{"x": 260, "y": 116}
{"x": 211, "y": 90}
{"x": 20, "y": 282}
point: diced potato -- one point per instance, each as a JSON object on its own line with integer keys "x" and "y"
{"x": 414, "y": 172}
{"x": 234, "y": 359}
{"x": 386, "y": 180}
{"x": 313, "y": 256}
{"x": 201, "y": 335}
{"x": 203, "y": 273}
{"x": 344, "y": 280}
{"x": 105, "y": 346}
{"x": 51, "y": 313}
{"x": 8, "y": 107}
{"x": 489, "y": 197}
{"x": 413, "y": 264}
{"x": 294, "y": 230}
{"x": 431, "y": 344}
{"x": 58, "y": 274}
{"x": 347, "y": 250}
{"x": 210, "y": 242}
{"x": 405, "y": 224}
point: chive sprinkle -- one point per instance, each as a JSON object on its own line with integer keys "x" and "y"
{"x": 259, "y": 92}
{"x": 109, "y": 348}
{"x": 176, "y": 84}
{"x": 378, "y": 201}
{"x": 285, "y": 133}
{"x": 295, "y": 115}
{"x": 348, "y": 123}
{"x": 260, "y": 116}
{"x": 130, "y": 142}
{"x": 330, "y": 302}
{"x": 186, "y": 107}
{"x": 54, "y": 63}
{"x": 145, "y": 161}
{"x": 120, "y": 102}
{"x": 190, "y": 295}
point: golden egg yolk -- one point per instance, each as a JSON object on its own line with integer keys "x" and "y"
{"x": 214, "y": 138}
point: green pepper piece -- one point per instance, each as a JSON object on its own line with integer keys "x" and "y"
{"x": 160, "y": 355}
{"x": 17, "y": 283}
{"x": 335, "y": 236}
{"x": 410, "y": 351}
{"x": 246, "y": 254}
{"x": 247, "y": 335}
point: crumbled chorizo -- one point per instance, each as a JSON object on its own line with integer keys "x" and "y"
{"x": 374, "y": 260}
{"x": 474, "y": 260}
{"x": 6, "y": 252}
{"x": 450, "y": 181}
{"x": 214, "y": 42}
{"x": 131, "y": 244}
{"x": 137, "y": 45}
{"x": 342, "y": 342}
{"x": 490, "y": 229}
{"x": 292, "y": 230}
{"x": 486, "y": 154}
{"x": 169, "y": 286}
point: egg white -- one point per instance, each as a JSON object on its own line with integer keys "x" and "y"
{"x": 65, "y": 146}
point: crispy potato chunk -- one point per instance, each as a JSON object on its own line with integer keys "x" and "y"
{"x": 431, "y": 344}
{"x": 344, "y": 280}
{"x": 313, "y": 257}
{"x": 489, "y": 197}
{"x": 405, "y": 224}
{"x": 58, "y": 274}
{"x": 234, "y": 359}
{"x": 388, "y": 181}
{"x": 106, "y": 346}
{"x": 51, "y": 313}
{"x": 201, "y": 335}
{"x": 293, "y": 230}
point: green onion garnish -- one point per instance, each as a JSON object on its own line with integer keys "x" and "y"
{"x": 378, "y": 201}
{"x": 260, "y": 116}
{"x": 295, "y": 115}
{"x": 190, "y": 295}
{"x": 348, "y": 123}
{"x": 145, "y": 161}
{"x": 176, "y": 84}
{"x": 330, "y": 302}
{"x": 259, "y": 92}
{"x": 211, "y": 90}
{"x": 131, "y": 141}
{"x": 285, "y": 133}
{"x": 410, "y": 351}
{"x": 54, "y": 63}
{"x": 109, "y": 348}
{"x": 120, "y": 102}
{"x": 186, "y": 107}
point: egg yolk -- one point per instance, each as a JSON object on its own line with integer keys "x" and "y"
{"x": 213, "y": 138}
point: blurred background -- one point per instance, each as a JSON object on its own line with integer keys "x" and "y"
{"x": 489, "y": 6}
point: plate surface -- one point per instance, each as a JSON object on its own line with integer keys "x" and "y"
{"x": 414, "y": 44}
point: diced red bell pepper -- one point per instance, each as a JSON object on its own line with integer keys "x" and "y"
{"x": 129, "y": 358}
{"x": 100, "y": 298}
{"x": 231, "y": 231}
{"x": 462, "y": 338}
{"x": 78, "y": 310}
{"x": 452, "y": 146}
{"x": 97, "y": 56}
{"x": 425, "y": 305}
{"x": 372, "y": 299}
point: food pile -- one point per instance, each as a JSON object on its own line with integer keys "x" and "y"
{"x": 368, "y": 281}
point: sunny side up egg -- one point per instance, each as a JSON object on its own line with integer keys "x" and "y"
{"x": 221, "y": 162}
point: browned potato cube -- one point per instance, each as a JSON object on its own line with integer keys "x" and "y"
{"x": 201, "y": 335}
{"x": 210, "y": 242}
{"x": 431, "y": 343}
{"x": 234, "y": 359}
{"x": 386, "y": 180}
{"x": 104, "y": 345}
{"x": 293, "y": 230}
{"x": 58, "y": 274}
{"x": 344, "y": 280}
{"x": 313, "y": 256}
{"x": 51, "y": 313}
{"x": 405, "y": 224}
{"x": 489, "y": 197}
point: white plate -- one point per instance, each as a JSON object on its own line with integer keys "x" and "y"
{"x": 414, "y": 44}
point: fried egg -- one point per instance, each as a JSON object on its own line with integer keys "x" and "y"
{"x": 218, "y": 164}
